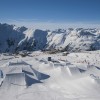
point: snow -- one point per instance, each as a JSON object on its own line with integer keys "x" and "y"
{"x": 75, "y": 76}
{"x": 72, "y": 77}
{"x": 14, "y": 39}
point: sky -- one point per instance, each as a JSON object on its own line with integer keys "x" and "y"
{"x": 51, "y": 13}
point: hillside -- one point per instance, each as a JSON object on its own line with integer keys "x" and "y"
{"x": 14, "y": 39}
{"x": 72, "y": 77}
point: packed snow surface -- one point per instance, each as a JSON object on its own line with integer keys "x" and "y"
{"x": 72, "y": 77}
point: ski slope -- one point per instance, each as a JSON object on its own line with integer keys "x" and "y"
{"x": 72, "y": 77}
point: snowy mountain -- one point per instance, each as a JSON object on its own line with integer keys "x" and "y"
{"x": 75, "y": 76}
{"x": 14, "y": 38}
{"x": 10, "y": 37}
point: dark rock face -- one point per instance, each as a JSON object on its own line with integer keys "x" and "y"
{"x": 9, "y": 37}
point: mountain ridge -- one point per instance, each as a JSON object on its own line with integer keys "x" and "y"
{"x": 14, "y": 39}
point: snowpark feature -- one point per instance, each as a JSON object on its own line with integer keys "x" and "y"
{"x": 72, "y": 77}
{"x": 22, "y": 74}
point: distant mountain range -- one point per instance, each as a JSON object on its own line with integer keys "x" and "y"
{"x": 14, "y": 39}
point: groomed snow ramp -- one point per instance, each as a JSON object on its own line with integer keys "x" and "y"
{"x": 13, "y": 80}
{"x": 73, "y": 70}
{"x": 21, "y": 80}
{"x": 21, "y": 75}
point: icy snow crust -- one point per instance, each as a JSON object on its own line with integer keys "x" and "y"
{"x": 72, "y": 77}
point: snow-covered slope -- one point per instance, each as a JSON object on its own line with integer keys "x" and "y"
{"x": 72, "y": 77}
{"x": 10, "y": 37}
{"x": 75, "y": 40}
{"x": 14, "y": 38}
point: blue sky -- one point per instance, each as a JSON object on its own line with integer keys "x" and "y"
{"x": 51, "y": 12}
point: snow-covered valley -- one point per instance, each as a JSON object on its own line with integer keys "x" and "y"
{"x": 72, "y": 77}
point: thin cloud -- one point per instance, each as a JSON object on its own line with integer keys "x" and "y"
{"x": 36, "y": 23}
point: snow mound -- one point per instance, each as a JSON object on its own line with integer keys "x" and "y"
{"x": 21, "y": 74}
